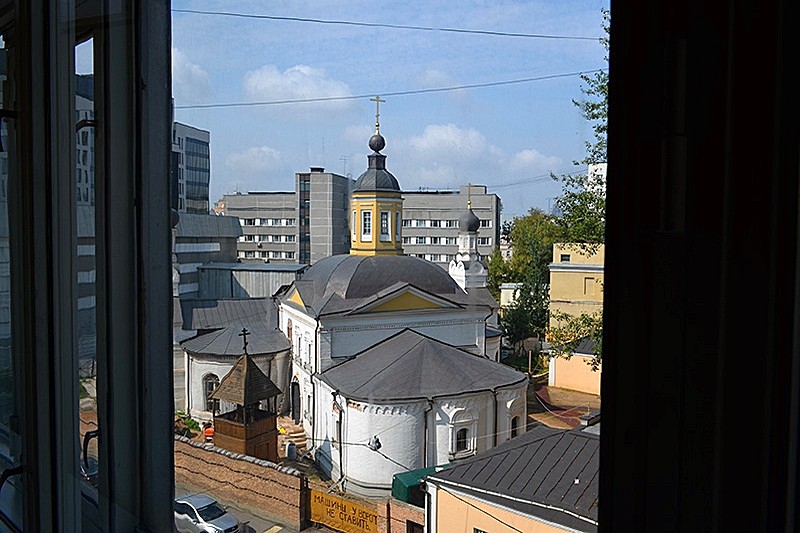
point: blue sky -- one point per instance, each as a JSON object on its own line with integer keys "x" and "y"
{"x": 498, "y": 136}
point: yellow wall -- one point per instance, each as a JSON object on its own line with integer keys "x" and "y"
{"x": 391, "y": 202}
{"x": 575, "y": 374}
{"x": 454, "y": 515}
{"x": 576, "y": 291}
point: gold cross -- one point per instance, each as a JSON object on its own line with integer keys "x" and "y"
{"x": 377, "y": 101}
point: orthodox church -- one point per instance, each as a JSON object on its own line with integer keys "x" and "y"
{"x": 393, "y": 360}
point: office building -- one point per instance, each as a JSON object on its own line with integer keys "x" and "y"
{"x": 190, "y": 169}
{"x": 430, "y": 222}
{"x": 312, "y": 223}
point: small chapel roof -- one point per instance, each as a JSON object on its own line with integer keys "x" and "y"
{"x": 227, "y": 342}
{"x": 411, "y": 366}
{"x": 245, "y": 384}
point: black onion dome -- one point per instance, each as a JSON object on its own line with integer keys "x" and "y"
{"x": 469, "y": 222}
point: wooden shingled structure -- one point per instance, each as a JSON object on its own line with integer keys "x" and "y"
{"x": 247, "y": 429}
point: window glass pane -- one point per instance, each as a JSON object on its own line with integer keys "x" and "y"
{"x": 10, "y": 497}
{"x": 86, "y": 271}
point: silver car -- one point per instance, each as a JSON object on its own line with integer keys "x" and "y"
{"x": 199, "y": 513}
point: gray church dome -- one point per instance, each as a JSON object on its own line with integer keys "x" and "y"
{"x": 376, "y": 177}
{"x": 469, "y": 222}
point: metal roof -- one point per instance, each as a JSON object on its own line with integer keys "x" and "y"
{"x": 228, "y": 341}
{"x": 409, "y": 366}
{"x": 194, "y": 225}
{"x": 549, "y": 473}
{"x": 341, "y": 283}
{"x": 215, "y": 314}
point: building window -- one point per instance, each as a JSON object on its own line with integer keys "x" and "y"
{"x": 565, "y": 258}
{"x": 462, "y": 443}
{"x": 289, "y": 221}
{"x": 486, "y": 223}
{"x": 514, "y": 426}
{"x": 485, "y": 241}
{"x": 248, "y": 222}
{"x": 250, "y": 254}
{"x": 288, "y": 255}
{"x": 406, "y": 223}
{"x": 397, "y": 225}
{"x": 275, "y": 222}
{"x": 385, "y": 225}
{"x": 210, "y": 383}
{"x": 413, "y": 527}
{"x": 435, "y": 240}
{"x": 419, "y": 223}
{"x": 450, "y": 240}
{"x": 436, "y": 223}
{"x": 451, "y": 223}
{"x": 406, "y": 240}
{"x": 421, "y": 240}
{"x": 366, "y": 225}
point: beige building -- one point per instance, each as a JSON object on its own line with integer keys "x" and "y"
{"x": 576, "y": 287}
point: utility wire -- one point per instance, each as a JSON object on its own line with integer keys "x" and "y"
{"x": 393, "y": 93}
{"x": 384, "y": 25}
{"x": 451, "y": 493}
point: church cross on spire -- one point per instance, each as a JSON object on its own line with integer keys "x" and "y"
{"x": 377, "y": 101}
{"x": 244, "y": 335}
{"x": 469, "y": 196}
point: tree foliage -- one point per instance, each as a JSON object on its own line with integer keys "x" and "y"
{"x": 582, "y": 207}
{"x": 568, "y": 331}
{"x": 582, "y": 203}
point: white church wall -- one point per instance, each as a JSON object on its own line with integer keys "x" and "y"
{"x": 200, "y": 366}
{"x": 399, "y": 427}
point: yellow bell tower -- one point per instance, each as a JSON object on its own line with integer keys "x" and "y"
{"x": 376, "y": 204}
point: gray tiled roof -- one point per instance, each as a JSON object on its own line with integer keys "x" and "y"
{"x": 228, "y": 341}
{"x": 410, "y": 365}
{"x": 245, "y": 384}
{"x": 549, "y": 473}
{"x": 340, "y": 283}
{"x": 193, "y": 225}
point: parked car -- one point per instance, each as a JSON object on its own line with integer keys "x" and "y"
{"x": 200, "y": 513}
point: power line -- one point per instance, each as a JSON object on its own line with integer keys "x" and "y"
{"x": 451, "y": 493}
{"x": 392, "y": 93}
{"x": 384, "y": 25}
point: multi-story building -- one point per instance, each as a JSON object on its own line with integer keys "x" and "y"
{"x": 190, "y": 169}
{"x": 430, "y": 222}
{"x": 269, "y": 225}
{"x": 323, "y": 228}
{"x": 312, "y": 222}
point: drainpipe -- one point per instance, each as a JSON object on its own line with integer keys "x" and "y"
{"x": 425, "y": 434}
{"x": 494, "y": 435}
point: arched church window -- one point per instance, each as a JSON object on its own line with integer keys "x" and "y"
{"x": 210, "y": 383}
{"x": 514, "y": 426}
{"x": 461, "y": 439}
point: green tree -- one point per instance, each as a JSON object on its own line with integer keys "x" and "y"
{"x": 582, "y": 207}
{"x": 569, "y": 330}
{"x": 582, "y": 203}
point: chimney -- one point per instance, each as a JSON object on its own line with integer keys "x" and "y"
{"x": 317, "y": 170}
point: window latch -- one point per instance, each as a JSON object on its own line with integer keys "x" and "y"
{"x": 85, "y": 123}
{"x": 87, "y": 437}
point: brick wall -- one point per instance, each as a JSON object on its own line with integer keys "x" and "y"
{"x": 272, "y": 489}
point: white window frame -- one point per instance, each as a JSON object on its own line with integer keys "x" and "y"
{"x": 385, "y": 223}
{"x": 366, "y": 225}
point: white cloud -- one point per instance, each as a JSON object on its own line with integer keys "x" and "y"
{"x": 257, "y": 161}
{"x": 190, "y": 83}
{"x": 532, "y": 160}
{"x": 300, "y": 82}
{"x": 447, "y": 156}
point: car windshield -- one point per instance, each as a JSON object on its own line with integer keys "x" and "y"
{"x": 211, "y": 512}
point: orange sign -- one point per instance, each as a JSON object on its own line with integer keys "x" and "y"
{"x": 342, "y": 515}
